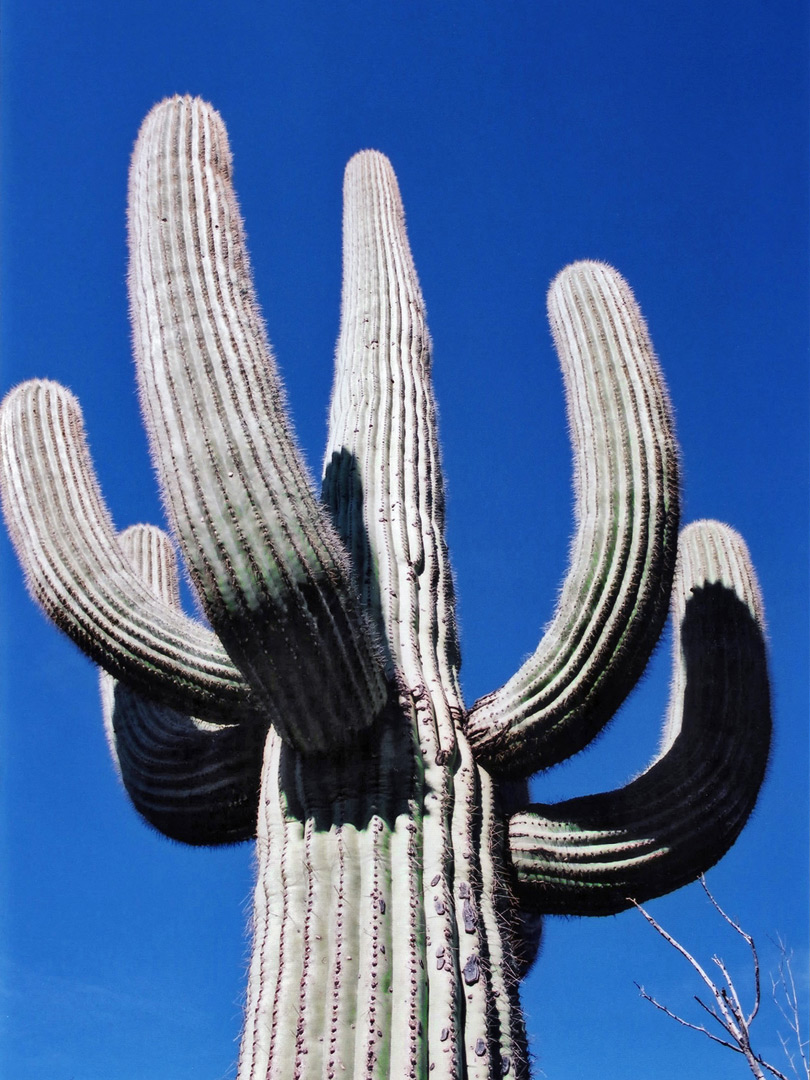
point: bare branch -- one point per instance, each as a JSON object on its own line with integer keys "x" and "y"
{"x": 729, "y": 1012}
{"x": 736, "y": 1007}
{"x": 716, "y": 1016}
{"x": 786, "y": 998}
{"x": 772, "y": 1069}
{"x": 754, "y": 957}
{"x": 680, "y": 948}
{"x": 687, "y": 1023}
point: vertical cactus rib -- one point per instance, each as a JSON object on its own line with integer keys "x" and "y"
{"x": 270, "y": 572}
{"x": 77, "y": 572}
{"x": 614, "y": 600}
{"x": 592, "y": 855}
{"x": 193, "y": 780}
{"x": 494, "y": 905}
{"x": 347, "y": 951}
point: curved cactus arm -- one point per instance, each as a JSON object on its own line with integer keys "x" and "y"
{"x": 194, "y": 781}
{"x": 76, "y": 570}
{"x": 614, "y": 600}
{"x": 595, "y": 855}
{"x": 271, "y": 574}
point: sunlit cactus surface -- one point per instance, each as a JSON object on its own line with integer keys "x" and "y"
{"x": 402, "y": 871}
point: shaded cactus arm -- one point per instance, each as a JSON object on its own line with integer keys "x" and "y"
{"x": 76, "y": 570}
{"x": 589, "y": 856}
{"x": 194, "y": 781}
{"x": 270, "y": 572}
{"x": 614, "y": 600}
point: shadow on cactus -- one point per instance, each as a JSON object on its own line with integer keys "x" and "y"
{"x": 402, "y": 873}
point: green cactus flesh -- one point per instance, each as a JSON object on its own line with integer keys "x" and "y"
{"x": 402, "y": 872}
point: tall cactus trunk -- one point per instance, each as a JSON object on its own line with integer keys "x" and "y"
{"x": 381, "y": 946}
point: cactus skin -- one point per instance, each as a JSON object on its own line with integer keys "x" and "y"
{"x": 402, "y": 873}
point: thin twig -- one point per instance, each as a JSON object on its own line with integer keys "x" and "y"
{"x": 786, "y": 999}
{"x": 751, "y": 945}
{"x": 687, "y": 1023}
{"x": 716, "y": 1016}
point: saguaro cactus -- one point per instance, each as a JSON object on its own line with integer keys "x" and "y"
{"x": 402, "y": 872}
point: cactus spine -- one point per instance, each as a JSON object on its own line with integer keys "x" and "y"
{"x": 401, "y": 871}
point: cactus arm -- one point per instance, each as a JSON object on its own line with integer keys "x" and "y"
{"x": 76, "y": 570}
{"x": 194, "y": 781}
{"x": 593, "y": 855}
{"x": 270, "y": 572}
{"x": 614, "y": 600}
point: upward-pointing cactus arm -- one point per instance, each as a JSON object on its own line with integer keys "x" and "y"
{"x": 592, "y": 855}
{"x": 614, "y": 600}
{"x": 77, "y": 571}
{"x": 194, "y": 781}
{"x": 268, "y": 568}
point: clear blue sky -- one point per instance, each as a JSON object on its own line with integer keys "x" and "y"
{"x": 668, "y": 139}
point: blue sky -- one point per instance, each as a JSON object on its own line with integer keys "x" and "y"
{"x": 667, "y": 139}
